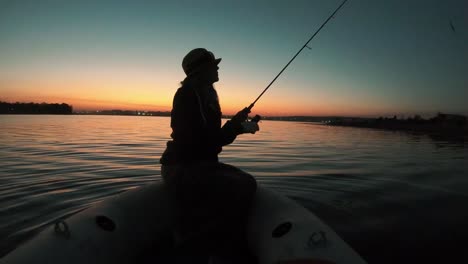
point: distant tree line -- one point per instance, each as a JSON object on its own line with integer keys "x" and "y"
{"x": 448, "y": 124}
{"x": 35, "y": 108}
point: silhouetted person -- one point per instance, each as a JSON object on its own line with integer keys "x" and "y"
{"x": 212, "y": 198}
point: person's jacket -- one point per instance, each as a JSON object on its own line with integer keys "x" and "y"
{"x": 197, "y": 134}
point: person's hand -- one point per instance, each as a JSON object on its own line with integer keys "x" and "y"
{"x": 250, "y": 127}
{"x": 241, "y": 116}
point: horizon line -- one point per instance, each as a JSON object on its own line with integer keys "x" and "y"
{"x": 395, "y": 113}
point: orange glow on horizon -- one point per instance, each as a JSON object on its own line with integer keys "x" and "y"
{"x": 90, "y": 95}
{"x": 146, "y": 96}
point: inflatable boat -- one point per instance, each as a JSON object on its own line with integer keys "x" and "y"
{"x": 135, "y": 227}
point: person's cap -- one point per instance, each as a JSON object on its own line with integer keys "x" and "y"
{"x": 197, "y": 58}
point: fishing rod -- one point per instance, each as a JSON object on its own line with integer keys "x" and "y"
{"x": 257, "y": 118}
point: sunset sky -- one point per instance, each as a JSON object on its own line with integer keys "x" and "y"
{"x": 374, "y": 58}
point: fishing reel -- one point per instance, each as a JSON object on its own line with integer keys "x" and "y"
{"x": 256, "y": 118}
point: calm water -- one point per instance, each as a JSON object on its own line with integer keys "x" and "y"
{"x": 393, "y": 196}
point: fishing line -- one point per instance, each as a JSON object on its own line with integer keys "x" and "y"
{"x": 305, "y": 45}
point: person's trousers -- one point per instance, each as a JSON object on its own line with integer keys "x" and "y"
{"x": 212, "y": 201}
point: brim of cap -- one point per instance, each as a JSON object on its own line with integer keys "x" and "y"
{"x": 217, "y": 61}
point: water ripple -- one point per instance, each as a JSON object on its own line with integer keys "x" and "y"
{"x": 367, "y": 184}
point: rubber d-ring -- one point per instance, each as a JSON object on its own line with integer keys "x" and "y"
{"x": 281, "y": 229}
{"x": 105, "y": 223}
{"x": 61, "y": 228}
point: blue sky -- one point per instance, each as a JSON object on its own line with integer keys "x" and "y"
{"x": 373, "y": 58}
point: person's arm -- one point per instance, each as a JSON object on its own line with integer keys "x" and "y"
{"x": 229, "y": 132}
{"x": 236, "y": 126}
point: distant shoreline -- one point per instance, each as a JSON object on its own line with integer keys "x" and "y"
{"x": 168, "y": 113}
{"x": 35, "y": 108}
{"x": 447, "y": 125}
{"x": 311, "y": 119}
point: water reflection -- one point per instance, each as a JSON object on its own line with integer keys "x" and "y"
{"x": 374, "y": 187}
